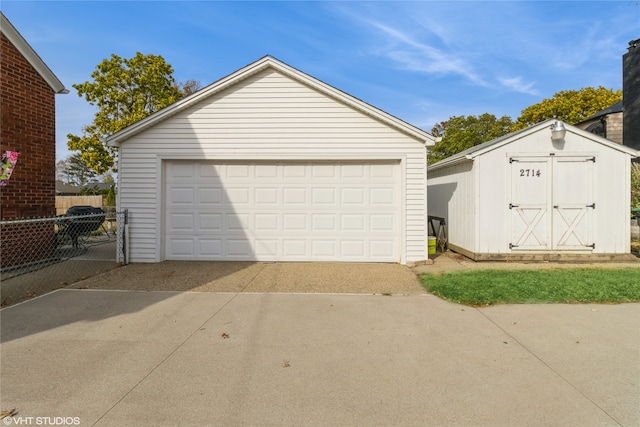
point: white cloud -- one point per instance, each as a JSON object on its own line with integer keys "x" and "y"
{"x": 418, "y": 56}
{"x": 516, "y": 84}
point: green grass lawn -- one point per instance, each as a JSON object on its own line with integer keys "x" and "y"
{"x": 584, "y": 285}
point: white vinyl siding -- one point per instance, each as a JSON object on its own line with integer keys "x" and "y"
{"x": 267, "y": 116}
{"x": 474, "y": 194}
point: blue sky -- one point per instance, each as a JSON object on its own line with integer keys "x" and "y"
{"x": 422, "y": 61}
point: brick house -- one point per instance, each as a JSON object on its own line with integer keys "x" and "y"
{"x": 27, "y": 104}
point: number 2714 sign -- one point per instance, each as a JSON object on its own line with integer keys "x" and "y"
{"x": 533, "y": 173}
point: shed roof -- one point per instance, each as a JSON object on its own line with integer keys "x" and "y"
{"x": 471, "y": 153}
{"x": 269, "y": 62}
{"x": 30, "y": 55}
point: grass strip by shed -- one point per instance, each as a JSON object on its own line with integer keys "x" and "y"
{"x": 584, "y": 285}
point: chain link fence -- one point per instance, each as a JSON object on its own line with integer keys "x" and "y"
{"x": 40, "y": 254}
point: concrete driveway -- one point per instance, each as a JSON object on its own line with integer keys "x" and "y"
{"x": 160, "y": 358}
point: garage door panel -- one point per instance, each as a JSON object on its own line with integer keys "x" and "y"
{"x": 383, "y": 222}
{"x": 182, "y": 248}
{"x": 382, "y": 248}
{"x": 211, "y": 172}
{"x": 182, "y": 196}
{"x": 295, "y": 171}
{"x": 267, "y": 249}
{"x": 382, "y": 196}
{"x": 238, "y": 196}
{"x": 294, "y": 196}
{"x": 181, "y": 222}
{"x": 387, "y": 171}
{"x": 239, "y": 248}
{"x": 323, "y": 171}
{"x": 266, "y": 171}
{"x": 210, "y": 222}
{"x": 323, "y": 249}
{"x": 295, "y": 249}
{"x": 353, "y": 222}
{"x": 211, "y": 196}
{"x": 267, "y": 222}
{"x": 296, "y": 211}
{"x": 353, "y": 171}
{"x": 237, "y": 171}
{"x": 236, "y": 222}
{"x": 323, "y": 196}
{"x": 210, "y": 248}
{"x": 181, "y": 170}
{"x": 352, "y": 248}
{"x": 353, "y": 196}
{"x": 267, "y": 196}
{"x": 294, "y": 222}
{"x": 323, "y": 222}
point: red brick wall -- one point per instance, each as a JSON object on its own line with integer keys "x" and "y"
{"x": 27, "y": 107}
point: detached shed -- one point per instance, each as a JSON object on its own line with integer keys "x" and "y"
{"x": 527, "y": 196}
{"x": 271, "y": 164}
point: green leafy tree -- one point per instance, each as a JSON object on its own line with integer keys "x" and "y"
{"x": 570, "y": 106}
{"x": 635, "y": 185}
{"x": 124, "y": 92}
{"x": 462, "y": 132}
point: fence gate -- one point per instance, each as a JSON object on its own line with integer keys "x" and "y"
{"x": 551, "y": 203}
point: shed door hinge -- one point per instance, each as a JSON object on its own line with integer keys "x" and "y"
{"x": 511, "y": 206}
{"x": 592, "y": 246}
{"x": 592, "y": 206}
{"x": 511, "y": 246}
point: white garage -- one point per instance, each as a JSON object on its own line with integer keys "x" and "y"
{"x": 270, "y": 164}
{"x": 528, "y": 196}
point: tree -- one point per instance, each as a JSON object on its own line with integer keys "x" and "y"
{"x": 189, "y": 87}
{"x": 74, "y": 170}
{"x": 462, "y": 132}
{"x": 124, "y": 92}
{"x": 635, "y": 185}
{"x": 571, "y": 106}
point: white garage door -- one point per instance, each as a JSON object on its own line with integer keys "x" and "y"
{"x": 288, "y": 211}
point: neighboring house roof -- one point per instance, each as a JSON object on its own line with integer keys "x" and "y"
{"x": 30, "y": 55}
{"x": 63, "y": 188}
{"x": 100, "y": 186}
{"x": 615, "y": 108}
{"x": 477, "y": 150}
{"x": 260, "y": 65}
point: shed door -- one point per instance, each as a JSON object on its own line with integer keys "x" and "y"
{"x": 573, "y": 204}
{"x": 282, "y": 211}
{"x": 530, "y": 203}
{"x": 552, "y": 203}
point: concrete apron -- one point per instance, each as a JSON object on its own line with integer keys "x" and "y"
{"x": 112, "y": 358}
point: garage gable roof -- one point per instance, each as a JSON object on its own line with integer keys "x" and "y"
{"x": 475, "y": 151}
{"x": 30, "y": 55}
{"x": 260, "y": 65}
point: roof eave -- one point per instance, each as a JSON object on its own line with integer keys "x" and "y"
{"x": 30, "y": 55}
{"x": 256, "y": 67}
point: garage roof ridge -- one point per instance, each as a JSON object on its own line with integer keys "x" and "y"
{"x": 269, "y": 61}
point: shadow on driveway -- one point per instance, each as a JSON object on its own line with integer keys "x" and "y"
{"x": 167, "y": 278}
